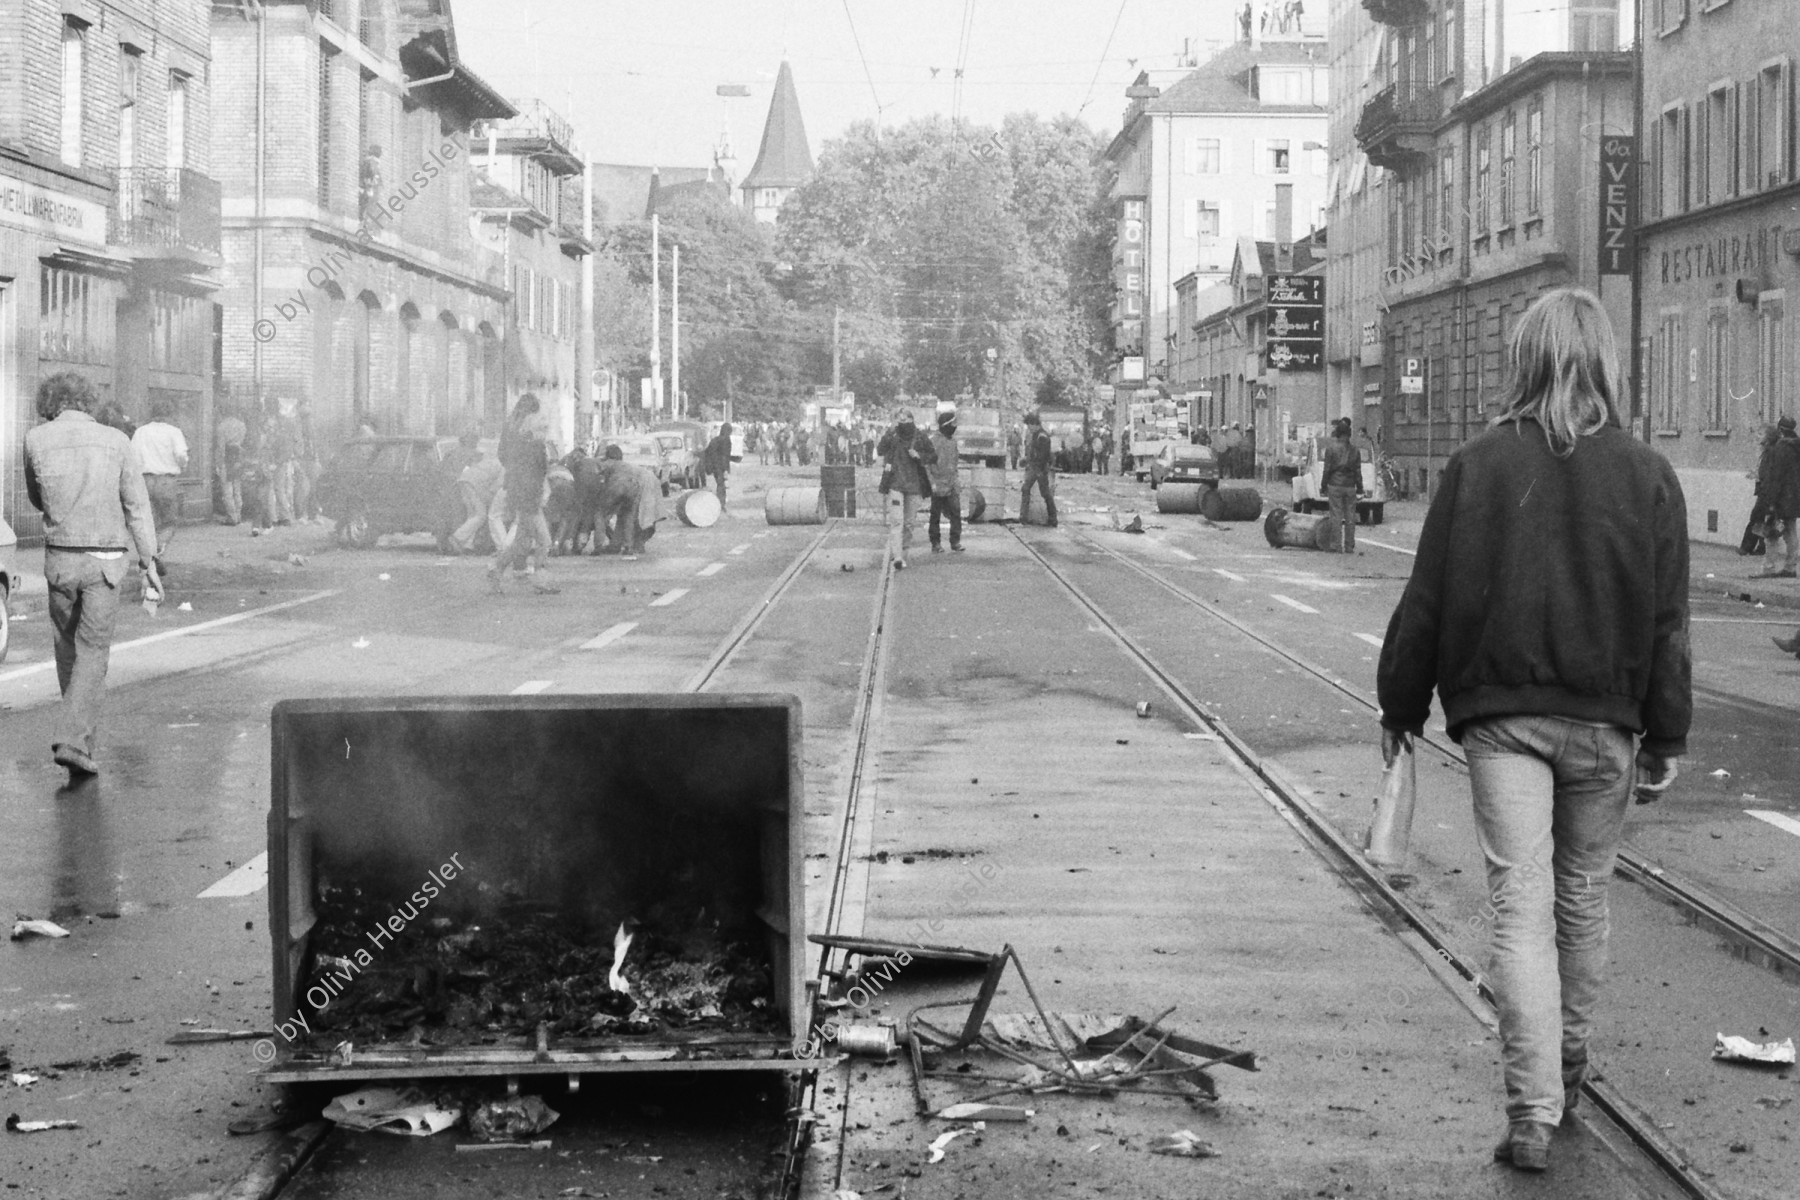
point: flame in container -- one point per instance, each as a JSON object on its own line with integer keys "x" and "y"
{"x": 621, "y": 943}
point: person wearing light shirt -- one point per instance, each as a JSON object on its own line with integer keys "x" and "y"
{"x": 162, "y": 452}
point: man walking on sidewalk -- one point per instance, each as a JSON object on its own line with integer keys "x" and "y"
{"x": 162, "y": 452}
{"x": 1343, "y": 479}
{"x": 946, "y": 490}
{"x": 1038, "y": 451}
{"x": 86, "y": 480}
{"x": 526, "y": 460}
{"x": 907, "y": 456}
{"x": 1781, "y": 491}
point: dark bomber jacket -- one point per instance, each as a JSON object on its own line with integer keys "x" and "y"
{"x": 1548, "y": 586}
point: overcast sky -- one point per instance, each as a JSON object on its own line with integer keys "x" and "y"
{"x": 638, "y": 77}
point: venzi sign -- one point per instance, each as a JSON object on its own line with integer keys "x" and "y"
{"x": 1618, "y": 202}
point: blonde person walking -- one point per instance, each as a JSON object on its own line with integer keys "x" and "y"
{"x": 1548, "y": 608}
{"x": 906, "y": 454}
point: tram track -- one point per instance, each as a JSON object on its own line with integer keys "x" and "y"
{"x": 1636, "y": 1125}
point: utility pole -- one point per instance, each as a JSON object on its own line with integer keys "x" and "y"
{"x": 675, "y": 405}
{"x": 837, "y": 358}
{"x": 588, "y": 374}
{"x": 655, "y": 316}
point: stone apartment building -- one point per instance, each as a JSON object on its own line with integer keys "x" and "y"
{"x": 1199, "y": 163}
{"x": 1719, "y": 244}
{"x": 109, "y": 216}
{"x": 354, "y": 279}
{"x": 1491, "y": 125}
{"x": 1356, "y": 222}
{"x": 527, "y": 202}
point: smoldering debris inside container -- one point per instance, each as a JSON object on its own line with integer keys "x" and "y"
{"x": 517, "y": 967}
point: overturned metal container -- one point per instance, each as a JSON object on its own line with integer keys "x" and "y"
{"x": 587, "y": 807}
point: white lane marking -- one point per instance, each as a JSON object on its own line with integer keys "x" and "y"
{"x": 166, "y": 634}
{"x": 532, "y": 687}
{"x": 1184, "y": 554}
{"x": 1371, "y": 639}
{"x": 609, "y": 636}
{"x": 1708, "y": 621}
{"x": 1778, "y": 820}
{"x": 1369, "y": 541}
{"x": 739, "y": 549}
{"x": 1231, "y": 575}
{"x": 247, "y": 880}
{"x": 710, "y": 569}
{"x": 1295, "y": 604}
{"x": 669, "y": 597}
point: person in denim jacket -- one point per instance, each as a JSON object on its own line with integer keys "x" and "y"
{"x": 86, "y": 480}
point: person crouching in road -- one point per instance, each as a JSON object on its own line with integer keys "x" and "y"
{"x": 1343, "y": 479}
{"x": 1568, "y": 687}
{"x": 906, "y": 453}
{"x": 946, "y": 487}
{"x": 479, "y": 485}
{"x": 87, "y": 481}
{"x": 526, "y": 460}
{"x": 162, "y": 451}
{"x": 1038, "y": 458}
{"x": 630, "y": 502}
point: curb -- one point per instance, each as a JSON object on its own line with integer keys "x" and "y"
{"x": 270, "y": 1171}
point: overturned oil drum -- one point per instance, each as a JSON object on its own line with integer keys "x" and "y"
{"x": 1309, "y": 531}
{"x": 838, "y": 483}
{"x": 974, "y": 504}
{"x": 991, "y": 483}
{"x": 794, "y": 506}
{"x": 700, "y": 509}
{"x": 1231, "y": 504}
{"x": 1181, "y": 498}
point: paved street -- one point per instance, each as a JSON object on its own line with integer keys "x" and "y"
{"x": 1011, "y": 795}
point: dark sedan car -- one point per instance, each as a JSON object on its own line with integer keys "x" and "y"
{"x": 378, "y": 485}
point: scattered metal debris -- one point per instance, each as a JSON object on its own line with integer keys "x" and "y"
{"x": 942, "y": 1142}
{"x": 196, "y": 1037}
{"x": 511, "y": 1119}
{"x": 15, "y": 1125}
{"x": 1183, "y": 1143}
{"x": 482, "y": 1147}
{"x": 27, "y": 927}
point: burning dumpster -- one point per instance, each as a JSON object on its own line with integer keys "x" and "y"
{"x": 535, "y": 885}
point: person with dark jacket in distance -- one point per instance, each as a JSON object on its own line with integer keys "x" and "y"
{"x": 1548, "y": 608}
{"x": 1039, "y": 457}
{"x": 716, "y": 461}
{"x": 1342, "y": 480}
{"x": 946, "y": 485}
{"x": 1778, "y": 486}
{"x": 906, "y": 453}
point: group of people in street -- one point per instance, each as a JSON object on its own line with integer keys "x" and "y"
{"x": 266, "y": 464}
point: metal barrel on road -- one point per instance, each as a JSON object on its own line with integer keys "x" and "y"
{"x": 699, "y": 509}
{"x": 991, "y": 483}
{"x": 1308, "y": 531}
{"x": 974, "y": 504}
{"x": 838, "y": 483}
{"x": 1181, "y": 498}
{"x": 794, "y": 506}
{"x": 1231, "y": 504}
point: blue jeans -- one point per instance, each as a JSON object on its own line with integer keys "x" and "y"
{"x": 1550, "y": 801}
{"x": 84, "y": 608}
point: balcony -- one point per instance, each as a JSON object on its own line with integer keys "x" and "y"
{"x": 166, "y": 212}
{"x": 574, "y": 242}
{"x": 1396, "y": 127}
{"x": 1399, "y": 13}
{"x": 541, "y": 132}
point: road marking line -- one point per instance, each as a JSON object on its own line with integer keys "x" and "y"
{"x": 1369, "y": 541}
{"x": 1231, "y": 575}
{"x": 739, "y": 549}
{"x": 669, "y": 597}
{"x": 1184, "y": 554}
{"x": 1295, "y": 604}
{"x": 710, "y": 569}
{"x": 166, "y": 634}
{"x": 1778, "y": 820}
{"x": 1371, "y": 639}
{"x": 247, "y": 880}
{"x": 610, "y": 636}
{"x": 532, "y": 687}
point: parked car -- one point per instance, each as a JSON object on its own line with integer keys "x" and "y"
{"x": 644, "y": 451}
{"x": 682, "y": 442}
{"x": 377, "y": 485}
{"x": 1184, "y": 462}
{"x": 9, "y": 579}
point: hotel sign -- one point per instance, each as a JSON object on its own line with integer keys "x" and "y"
{"x": 1128, "y": 274}
{"x": 1618, "y": 203}
{"x": 1295, "y": 305}
{"x": 52, "y": 214}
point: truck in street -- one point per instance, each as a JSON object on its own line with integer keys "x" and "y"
{"x": 980, "y": 437}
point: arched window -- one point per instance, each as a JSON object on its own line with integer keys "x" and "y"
{"x": 362, "y": 326}
{"x": 406, "y": 406}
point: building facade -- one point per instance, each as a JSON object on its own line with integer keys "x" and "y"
{"x": 1492, "y": 125}
{"x": 1719, "y": 245}
{"x": 109, "y": 217}
{"x": 1198, "y": 168}
{"x": 1356, "y": 223}
{"x": 353, "y": 279}
{"x": 784, "y": 160}
{"x": 527, "y": 203}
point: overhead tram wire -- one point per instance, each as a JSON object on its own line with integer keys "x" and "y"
{"x": 962, "y": 62}
{"x": 867, "y": 74}
{"x": 1101, "y": 65}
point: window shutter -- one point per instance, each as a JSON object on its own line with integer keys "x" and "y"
{"x": 1190, "y": 218}
{"x": 1784, "y": 124}
{"x": 1224, "y": 155}
{"x": 1191, "y": 157}
{"x": 1750, "y": 171}
{"x": 1259, "y": 156}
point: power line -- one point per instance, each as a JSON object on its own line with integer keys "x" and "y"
{"x": 867, "y": 74}
{"x": 1101, "y": 65}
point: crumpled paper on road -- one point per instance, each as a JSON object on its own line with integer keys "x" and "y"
{"x": 1184, "y": 1143}
{"x": 26, "y": 928}
{"x": 515, "y": 1117}
{"x": 1736, "y": 1049}
{"x": 386, "y": 1110}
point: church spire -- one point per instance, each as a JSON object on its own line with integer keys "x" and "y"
{"x": 784, "y": 161}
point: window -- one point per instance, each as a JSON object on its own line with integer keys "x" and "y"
{"x": 1774, "y": 140}
{"x": 180, "y": 329}
{"x": 72, "y": 58}
{"x": 130, "y": 62}
{"x": 1672, "y": 156}
{"x": 1203, "y": 156}
{"x": 1770, "y": 360}
{"x": 1447, "y": 44}
{"x": 1509, "y": 139}
{"x": 1669, "y": 15}
{"x": 326, "y": 158}
{"x": 1594, "y": 25}
{"x": 1447, "y": 197}
{"x": 1534, "y": 157}
{"x": 1479, "y": 201}
{"x": 1717, "y": 146}
{"x": 1428, "y": 216}
{"x": 1671, "y": 365}
{"x": 1279, "y": 158}
{"x": 75, "y": 317}
{"x": 1718, "y": 369}
{"x": 1201, "y": 220}
{"x": 178, "y": 119}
